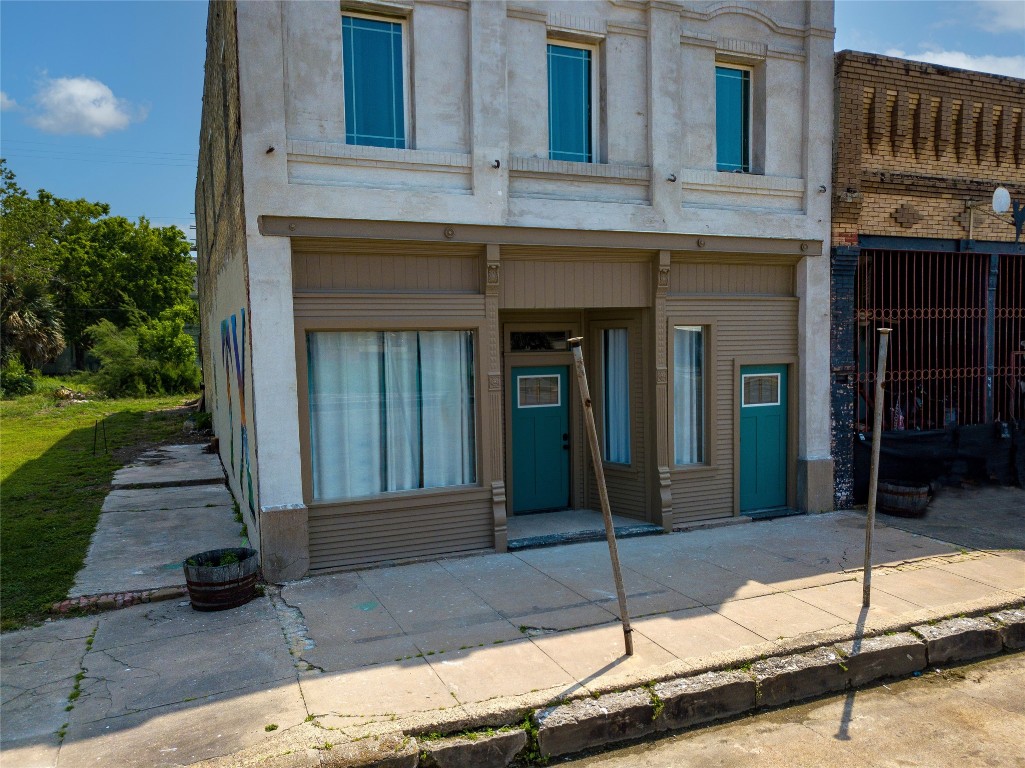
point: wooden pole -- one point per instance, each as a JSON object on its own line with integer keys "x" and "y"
{"x": 873, "y": 483}
{"x": 599, "y": 472}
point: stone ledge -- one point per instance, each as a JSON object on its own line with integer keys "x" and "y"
{"x": 588, "y": 723}
{"x": 116, "y": 600}
{"x": 495, "y": 750}
{"x": 801, "y": 676}
{"x": 875, "y": 658}
{"x": 1012, "y": 628}
{"x": 711, "y": 696}
{"x": 959, "y": 639}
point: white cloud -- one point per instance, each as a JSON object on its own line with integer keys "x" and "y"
{"x": 999, "y": 15}
{"x": 997, "y": 65}
{"x": 81, "y": 105}
{"x": 6, "y": 102}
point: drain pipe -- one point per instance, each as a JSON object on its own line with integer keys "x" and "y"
{"x": 599, "y": 473}
{"x": 873, "y": 485}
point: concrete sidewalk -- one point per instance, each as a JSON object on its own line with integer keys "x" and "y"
{"x": 462, "y": 643}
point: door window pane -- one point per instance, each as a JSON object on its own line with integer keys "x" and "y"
{"x": 373, "y": 75}
{"x": 689, "y": 394}
{"x": 617, "y": 395}
{"x": 390, "y": 411}
{"x": 538, "y": 391}
{"x": 569, "y": 103}
{"x": 732, "y": 119}
{"x": 761, "y": 389}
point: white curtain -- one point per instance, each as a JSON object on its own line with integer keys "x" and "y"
{"x": 446, "y": 379}
{"x": 688, "y": 394}
{"x": 345, "y": 407}
{"x": 617, "y": 396}
{"x": 401, "y": 411}
{"x": 390, "y": 411}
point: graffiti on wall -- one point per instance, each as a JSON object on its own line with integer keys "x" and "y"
{"x": 233, "y": 360}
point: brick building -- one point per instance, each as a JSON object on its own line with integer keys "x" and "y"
{"x": 919, "y": 150}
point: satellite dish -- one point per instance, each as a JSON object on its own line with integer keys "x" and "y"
{"x": 1001, "y": 200}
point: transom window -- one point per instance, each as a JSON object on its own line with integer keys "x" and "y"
{"x": 733, "y": 119}
{"x": 374, "y": 79}
{"x": 570, "y": 103}
{"x": 390, "y": 411}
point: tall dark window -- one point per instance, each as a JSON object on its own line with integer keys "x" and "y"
{"x": 569, "y": 104}
{"x": 732, "y": 119}
{"x": 375, "y": 111}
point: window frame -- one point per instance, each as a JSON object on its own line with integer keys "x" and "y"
{"x": 593, "y": 90}
{"x": 749, "y": 106}
{"x": 482, "y": 472}
{"x": 603, "y": 328}
{"x": 407, "y": 117}
{"x": 709, "y": 331}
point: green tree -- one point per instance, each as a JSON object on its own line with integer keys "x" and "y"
{"x": 37, "y": 237}
{"x": 68, "y": 264}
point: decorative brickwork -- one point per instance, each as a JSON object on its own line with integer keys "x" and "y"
{"x": 918, "y": 151}
{"x": 926, "y": 137}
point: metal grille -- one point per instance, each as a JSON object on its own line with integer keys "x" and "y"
{"x": 1009, "y": 339}
{"x": 936, "y": 305}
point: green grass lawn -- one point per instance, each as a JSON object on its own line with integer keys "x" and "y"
{"x": 52, "y": 485}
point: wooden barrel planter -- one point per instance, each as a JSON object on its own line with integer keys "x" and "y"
{"x": 902, "y": 498}
{"x": 219, "y": 579}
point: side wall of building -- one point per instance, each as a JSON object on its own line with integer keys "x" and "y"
{"x": 223, "y": 267}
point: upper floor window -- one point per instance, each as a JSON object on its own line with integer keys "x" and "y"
{"x": 733, "y": 119}
{"x": 571, "y": 100}
{"x": 375, "y": 93}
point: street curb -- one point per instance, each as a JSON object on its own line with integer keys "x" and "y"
{"x": 697, "y": 697}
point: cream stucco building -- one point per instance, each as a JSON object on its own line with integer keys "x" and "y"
{"x": 406, "y": 207}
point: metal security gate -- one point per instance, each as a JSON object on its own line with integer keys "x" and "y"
{"x": 957, "y": 354}
{"x": 1009, "y": 339}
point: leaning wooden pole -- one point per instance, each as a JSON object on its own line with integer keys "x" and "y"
{"x": 599, "y": 473}
{"x": 873, "y": 483}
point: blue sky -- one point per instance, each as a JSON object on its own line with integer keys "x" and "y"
{"x": 102, "y": 100}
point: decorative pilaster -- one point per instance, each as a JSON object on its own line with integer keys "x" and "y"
{"x": 493, "y": 365}
{"x": 665, "y": 486}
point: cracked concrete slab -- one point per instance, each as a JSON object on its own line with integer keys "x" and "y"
{"x": 150, "y": 499}
{"x": 122, "y": 679}
{"x": 39, "y": 668}
{"x": 157, "y": 540}
{"x": 183, "y": 733}
{"x": 153, "y": 622}
{"x": 171, "y": 465}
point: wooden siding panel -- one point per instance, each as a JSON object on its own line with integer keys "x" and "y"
{"x": 359, "y": 533}
{"x": 750, "y": 279}
{"x": 573, "y": 284}
{"x": 361, "y": 309}
{"x": 741, "y": 328}
{"x": 385, "y": 265}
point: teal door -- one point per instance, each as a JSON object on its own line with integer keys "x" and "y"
{"x": 540, "y": 438}
{"x": 763, "y": 437}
